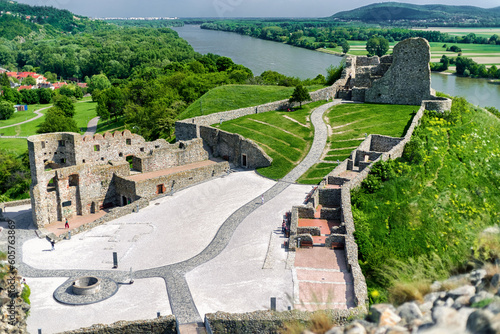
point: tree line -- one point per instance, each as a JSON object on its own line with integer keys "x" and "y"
{"x": 314, "y": 35}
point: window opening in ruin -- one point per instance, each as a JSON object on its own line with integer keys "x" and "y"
{"x": 130, "y": 160}
{"x": 43, "y": 144}
{"x": 142, "y": 149}
{"x": 160, "y": 189}
{"x": 157, "y": 146}
{"x": 83, "y": 161}
{"x": 120, "y": 154}
{"x": 73, "y": 180}
{"x": 124, "y": 200}
{"x": 102, "y": 158}
{"x": 97, "y": 148}
{"x": 129, "y": 141}
{"x": 181, "y": 145}
{"x": 65, "y": 204}
{"x": 62, "y": 143}
{"x": 51, "y": 186}
{"x": 92, "y": 207}
{"x": 63, "y": 160}
{"x": 244, "y": 160}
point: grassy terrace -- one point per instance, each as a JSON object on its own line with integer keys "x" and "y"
{"x": 349, "y": 123}
{"x": 285, "y": 136}
{"x": 233, "y": 97}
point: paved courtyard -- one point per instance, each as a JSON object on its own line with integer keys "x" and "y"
{"x": 211, "y": 247}
{"x": 165, "y": 233}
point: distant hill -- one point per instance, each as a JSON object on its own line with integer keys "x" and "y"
{"x": 403, "y": 13}
{"x": 23, "y": 20}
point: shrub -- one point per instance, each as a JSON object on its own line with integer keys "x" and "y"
{"x": 371, "y": 184}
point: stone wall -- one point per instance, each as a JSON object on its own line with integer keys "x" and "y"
{"x": 268, "y": 322}
{"x": 407, "y": 81}
{"x": 180, "y": 180}
{"x": 162, "y": 325}
{"x": 234, "y": 148}
{"x": 329, "y": 197}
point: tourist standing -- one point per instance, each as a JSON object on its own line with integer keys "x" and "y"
{"x": 66, "y": 225}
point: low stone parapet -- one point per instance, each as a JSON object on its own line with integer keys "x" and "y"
{"x": 161, "y": 325}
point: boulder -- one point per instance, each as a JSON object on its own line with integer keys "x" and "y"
{"x": 409, "y": 312}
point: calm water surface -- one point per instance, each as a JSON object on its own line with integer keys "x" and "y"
{"x": 261, "y": 55}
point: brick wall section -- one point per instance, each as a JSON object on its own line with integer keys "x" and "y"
{"x": 232, "y": 146}
{"x": 162, "y": 325}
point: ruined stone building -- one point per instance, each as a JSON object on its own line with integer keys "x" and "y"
{"x": 79, "y": 175}
{"x": 401, "y": 78}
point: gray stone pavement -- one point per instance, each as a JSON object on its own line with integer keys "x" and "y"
{"x": 180, "y": 298}
{"x": 92, "y": 126}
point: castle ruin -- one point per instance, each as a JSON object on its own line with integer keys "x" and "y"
{"x": 80, "y": 175}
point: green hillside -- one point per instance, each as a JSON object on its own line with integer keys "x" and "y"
{"x": 22, "y": 20}
{"x": 389, "y": 12}
{"x": 422, "y": 214}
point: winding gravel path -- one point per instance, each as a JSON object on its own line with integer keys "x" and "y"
{"x": 181, "y": 300}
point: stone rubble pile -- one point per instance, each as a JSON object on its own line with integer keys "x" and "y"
{"x": 472, "y": 305}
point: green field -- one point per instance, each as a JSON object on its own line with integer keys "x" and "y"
{"x": 231, "y": 97}
{"x": 286, "y": 141}
{"x": 83, "y": 112}
{"x": 425, "y": 218}
{"x": 350, "y": 123}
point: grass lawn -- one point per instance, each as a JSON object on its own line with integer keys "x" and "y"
{"x": 21, "y": 116}
{"x": 84, "y": 112}
{"x": 349, "y": 123}
{"x": 111, "y": 125}
{"x": 16, "y": 146}
{"x": 286, "y": 141}
{"x": 232, "y": 97}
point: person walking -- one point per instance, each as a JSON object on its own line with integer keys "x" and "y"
{"x": 52, "y": 243}
{"x": 262, "y": 199}
{"x": 66, "y": 225}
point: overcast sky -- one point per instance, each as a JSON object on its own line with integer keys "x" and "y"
{"x": 224, "y": 8}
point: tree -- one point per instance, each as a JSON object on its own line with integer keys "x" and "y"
{"x": 377, "y": 45}
{"x": 300, "y": 94}
{"x": 98, "y": 82}
{"x": 111, "y": 103}
{"x": 4, "y": 80}
{"x": 65, "y": 104}
{"x": 30, "y": 96}
{"x": 345, "y": 46}
{"x": 29, "y": 81}
{"x": 44, "y": 95}
{"x": 67, "y": 91}
{"x": 333, "y": 73}
{"x": 6, "y": 109}
{"x": 12, "y": 95}
{"x": 56, "y": 121}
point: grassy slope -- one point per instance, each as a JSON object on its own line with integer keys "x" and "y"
{"x": 232, "y": 97}
{"x": 437, "y": 204}
{"x": 350, "y": 122}
{"x": 286, "y": 141}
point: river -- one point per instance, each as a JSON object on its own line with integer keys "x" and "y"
{"x": 261, "y": 55}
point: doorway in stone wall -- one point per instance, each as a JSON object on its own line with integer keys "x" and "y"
{"x": 244, "y": 161}
{"x": 92, "y": 208}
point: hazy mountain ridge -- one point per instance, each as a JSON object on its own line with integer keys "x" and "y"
{"x": 445, "y": 14}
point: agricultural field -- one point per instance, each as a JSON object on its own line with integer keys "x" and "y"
{"x": 232, "y": 97}
{"x": 284, "y": 136}
{"x": 481, "y": 53}
{"x": 349, "y": 124}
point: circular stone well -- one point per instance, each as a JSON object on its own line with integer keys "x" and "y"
{"x": 85, "y": 290}
{"x": 87, "y": 285}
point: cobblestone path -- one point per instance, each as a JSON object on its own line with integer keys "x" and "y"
{"x": 181, "y": 300}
